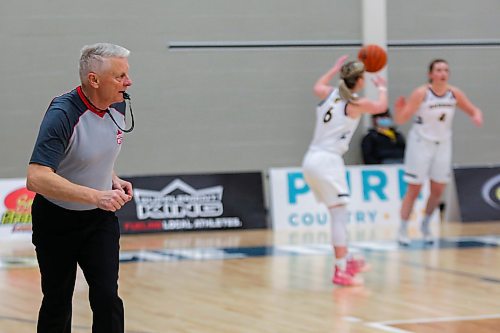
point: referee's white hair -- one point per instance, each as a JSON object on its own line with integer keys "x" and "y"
{"x": 93, "y": 57}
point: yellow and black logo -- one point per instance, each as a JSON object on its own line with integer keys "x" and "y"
{"x": 491, "y": 192}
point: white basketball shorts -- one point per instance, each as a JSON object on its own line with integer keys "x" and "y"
{"x": 425, "y": 159}
{"x": 326, "y": 176}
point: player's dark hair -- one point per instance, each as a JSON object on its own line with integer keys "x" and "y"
{"x": 433, "y": 63}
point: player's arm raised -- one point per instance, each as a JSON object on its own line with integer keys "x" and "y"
{"x": 405, "y": 109}
{"x": 466, "y": 105}
{"x": 365, "y": 105}
{"x": 322, "y": 87}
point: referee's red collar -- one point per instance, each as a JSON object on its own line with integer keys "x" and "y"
{"x": 88, "y": 104}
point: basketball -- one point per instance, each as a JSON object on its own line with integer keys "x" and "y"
{"x": 373, "y": 56}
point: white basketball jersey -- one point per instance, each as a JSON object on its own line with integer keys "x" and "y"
{"x": 433, "y": 119}
{"x": 334, "y": 129}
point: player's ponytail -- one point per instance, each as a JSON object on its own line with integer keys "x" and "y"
{"x": 349, "y": 75}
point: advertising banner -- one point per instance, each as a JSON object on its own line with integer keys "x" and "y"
{"x": 376, "y": 193}
{"x": 15, "y": 208}
{"x": 478, "y": 191}
{"x": 161, "y": 203}
{"x": 194, "y": 202}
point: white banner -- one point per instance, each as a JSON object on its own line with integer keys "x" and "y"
{"x": 15, "y": 209}
{"x": 376, "y": 193}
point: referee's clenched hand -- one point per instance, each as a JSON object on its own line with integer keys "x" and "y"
{"x": 112, "y": 200}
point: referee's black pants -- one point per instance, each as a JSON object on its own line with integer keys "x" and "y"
{"x": 64, "y": 239}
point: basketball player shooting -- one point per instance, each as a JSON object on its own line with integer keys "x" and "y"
{"x": 337, "y": 117}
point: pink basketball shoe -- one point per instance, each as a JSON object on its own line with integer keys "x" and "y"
{"x": 343, "y": 278}
{"x": 357, "y": 265}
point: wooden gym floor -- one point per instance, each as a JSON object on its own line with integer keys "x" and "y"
{"x": 258, "y": 281}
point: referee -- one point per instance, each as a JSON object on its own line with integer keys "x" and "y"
{"x": 72, "y": 171}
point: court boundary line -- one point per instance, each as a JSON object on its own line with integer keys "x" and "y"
{"x": 385, "y": 325}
